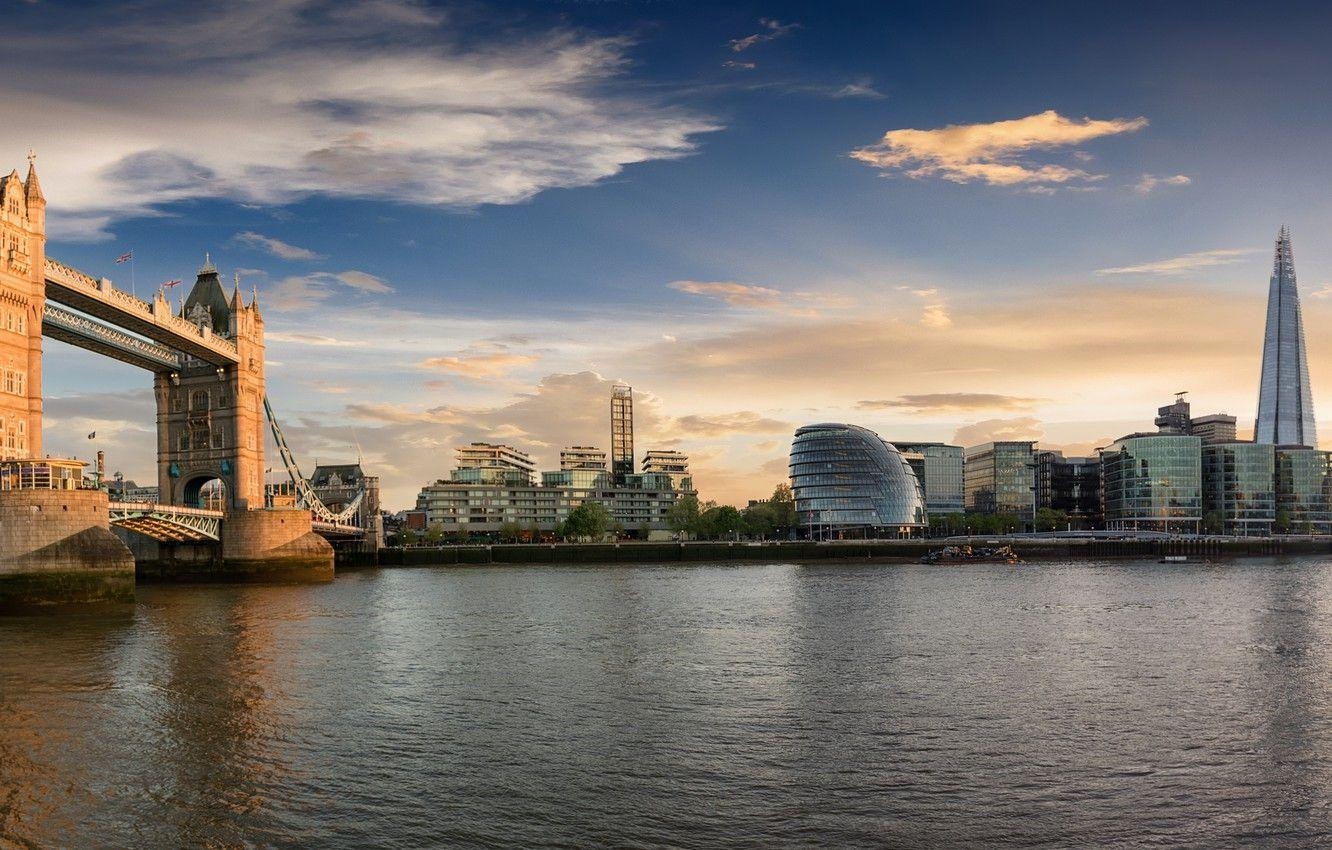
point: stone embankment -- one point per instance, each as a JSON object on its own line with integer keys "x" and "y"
{"x": 1056, "y": 549}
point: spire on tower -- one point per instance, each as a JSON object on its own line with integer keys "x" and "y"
{"x": 32, "y": 187}
{"x": 207, "y": 267}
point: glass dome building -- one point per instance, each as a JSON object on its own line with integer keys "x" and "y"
{"x": 849, "y": 482}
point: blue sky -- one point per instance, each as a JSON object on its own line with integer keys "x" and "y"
{"x": 465, "y": 220}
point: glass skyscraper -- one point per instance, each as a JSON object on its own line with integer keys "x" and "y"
{"x": 1238, "y": 488}
{"x": 1285, "y": 405}
{"x": 849, "y": 482}
{"x": 938, "y": 467}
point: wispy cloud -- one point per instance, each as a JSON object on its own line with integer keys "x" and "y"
{"x": 313, "y": 339}
{"x": 492, "y": 364}
{"x": 1149, "y": 182}
{"x": 371, "y": 100}
{"x": 748, "y": 296}
{"x": 948, "y": 402}
{"x": 739, "y": 66}
{"x": 998, "y": 154}
{"x": 770, "y": 30}
{"x": 728, "y": 424}
{"x": 990, "y": 430}
{"x": 1185, "y": 264}
{"x": 936, "y": 316}
{"x": 860, "y": 88}
{"x": 276, "y": 247}
{"x": 300, "y": 292}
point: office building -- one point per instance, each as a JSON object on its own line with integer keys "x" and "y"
{"x": 671, "y": 463}
{"x": 1303, "y": 490}
{"x": 489, "y": 463}
{"x": 939, "y": 468}
{"x": 1238, "y": 488}
{"x": 1071, "y": 485}
{"x": 849, "y": 482}
{"x": 1175, "y": 418}
{"x": 622, "y": 433}
{"x": 1214, "y": 428}
{"x": 999, "y": 478}
{"x": 1285, "y": 403}
{"x": 1153, "y": 482}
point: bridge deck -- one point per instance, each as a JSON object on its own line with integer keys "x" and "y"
{"x": 156, "y": 321}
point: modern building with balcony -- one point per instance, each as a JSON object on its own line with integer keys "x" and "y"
{"x": 1153, "y": 482}
{"x": 490, "y": 463}
{"x": 850, "y": 483}
{"x": 582, "y": 457}
{"x": 939, "y": 468}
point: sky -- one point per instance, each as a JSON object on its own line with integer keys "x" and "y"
{"x": 466, "y": 221}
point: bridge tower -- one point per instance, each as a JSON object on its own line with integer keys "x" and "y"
{"x": 22, "y": 300}
{"x": 210, "y": 419}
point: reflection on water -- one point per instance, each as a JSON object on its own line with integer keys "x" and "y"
{"x": 746, "y": 706}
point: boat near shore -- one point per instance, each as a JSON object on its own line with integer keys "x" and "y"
{"x": 972, "y": 555}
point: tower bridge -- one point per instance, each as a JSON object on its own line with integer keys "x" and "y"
{"x": 207, "y": 366}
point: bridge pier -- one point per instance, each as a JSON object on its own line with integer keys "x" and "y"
{"x": 57, "y": 548}
{"x": 270, "y": 545}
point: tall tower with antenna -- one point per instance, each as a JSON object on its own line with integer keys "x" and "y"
{"x": 1285, "y": 403}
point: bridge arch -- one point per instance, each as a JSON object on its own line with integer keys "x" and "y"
{"x": 205, "y": 490}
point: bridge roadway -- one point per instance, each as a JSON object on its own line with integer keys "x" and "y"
{"x": 119, "y": 312}
{"x": 173, "y": 524}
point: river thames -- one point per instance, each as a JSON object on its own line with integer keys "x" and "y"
{"x": 697, "y": 706}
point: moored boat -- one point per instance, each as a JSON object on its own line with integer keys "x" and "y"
{"x": 972, "y": 555}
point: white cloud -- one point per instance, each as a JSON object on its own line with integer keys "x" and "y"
{"x": 1152, "y": 181}
{"x": 860, "y": 88}
{"x": 1183, "y": 265}
{"x": 276, "y": 247}
{"x": 998, "y": 154}
{"x": 771, "y": 30}
{"x": 936, "y": 316}
{"x": 268, "y": 102}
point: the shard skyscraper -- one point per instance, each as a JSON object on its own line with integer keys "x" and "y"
{"x": 1285, "y": 405}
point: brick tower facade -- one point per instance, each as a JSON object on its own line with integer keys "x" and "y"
{"x": 22, "y": 300}
{"x": 210, "y": 420}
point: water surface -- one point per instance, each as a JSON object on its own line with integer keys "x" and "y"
{"x": 683, "y": 706}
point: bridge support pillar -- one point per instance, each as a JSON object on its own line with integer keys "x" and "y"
{"x": 57, "y": 548}
{"x": 274, "y": 544}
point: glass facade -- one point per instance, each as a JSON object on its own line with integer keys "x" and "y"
{"x": 1153, "y": 482}
{"x": 1303, "y": 482}
{"x": 939, "y": 468}
{"x": 1071, "y": 485}
{"x": 848, "y": 481}
{"x": 1285, "y": 405}
{"x": 1238, "y": 488}
{"x": 1000, "y": 479}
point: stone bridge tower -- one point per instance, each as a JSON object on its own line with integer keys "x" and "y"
{"x": 22, "y": 301}
{"x": 210, "y": 420}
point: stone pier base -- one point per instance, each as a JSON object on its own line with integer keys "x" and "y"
{"x": 57, "y": 548}
{"x": 275, "y": 544}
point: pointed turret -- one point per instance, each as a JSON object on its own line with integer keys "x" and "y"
{"x": 207, "y": 302}
{"x": 32, "y": 186}
{"x": 1285, "y": 402}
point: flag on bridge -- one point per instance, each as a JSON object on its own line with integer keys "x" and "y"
{"x": 125, "y": 257}
{"x": 92, "y": 435}
{"x": 170, "y": 283}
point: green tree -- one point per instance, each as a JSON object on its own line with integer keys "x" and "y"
{"x": 509, "y": 531}
{"x": 683, "y": 515}
{"x": 534, "y": 533}
{"x": 588, "y": 520}
{"x": 408, "y": 537}
{"x": 1282, "y": 521}
{"x": 720, "y": 521}
{"x": 761, "y": 520}
{"x": 784, "y": 507}
{"x": 1049, "y": 519}
{"x": 434, "y": 535}
{"x": 1213, "y": 523}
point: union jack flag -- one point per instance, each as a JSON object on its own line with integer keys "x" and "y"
{"x": 170, "y": 283}
{"x": 125, "y": 257}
